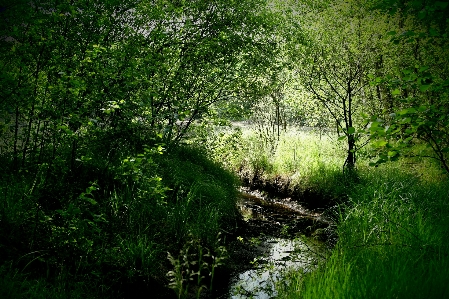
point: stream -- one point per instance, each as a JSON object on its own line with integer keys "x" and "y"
{"x": 278, "y": 234}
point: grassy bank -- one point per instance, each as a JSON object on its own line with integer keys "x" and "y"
{"x": 304, "y": 165}
{"x": 392, "y": 242}
{"x": 106, "y": 233}
{"x": 392, "y": 220}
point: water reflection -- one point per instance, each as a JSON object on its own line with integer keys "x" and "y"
{"x": 276, "y": 230}
{"x": 280, "y": 255}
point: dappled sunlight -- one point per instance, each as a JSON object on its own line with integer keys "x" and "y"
{"x": 180, "y": 149}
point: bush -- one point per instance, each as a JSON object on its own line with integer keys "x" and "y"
{"x": 111, "y": 230}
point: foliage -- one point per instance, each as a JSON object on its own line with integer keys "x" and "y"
{"x": 418, "y": 87}
{"x": 391, "y": 241}
{"x": 114, "y": 232}
{"x": 113, "y": 125}
{"x": 341, "y": 49}
{"x": 92, "y": 92}
{"x": 303, "y": 163}
{"x": 192, "y": 268}
{"x": 77, "y": 74}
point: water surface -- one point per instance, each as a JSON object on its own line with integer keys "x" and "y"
{"x": 277, "y": 233}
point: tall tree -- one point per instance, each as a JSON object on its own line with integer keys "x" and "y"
{"x": 419, "y": 84}
{"x": 335, "y": 63}
{"x": 78, "y": 75}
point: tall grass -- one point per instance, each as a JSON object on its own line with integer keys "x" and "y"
{"x": 92, "y": 236}
{"x": 311, "y": 161}
{"x": 305, "y": 162}
{"x": 392, "y": 241}
{"x": 392, "y": 220}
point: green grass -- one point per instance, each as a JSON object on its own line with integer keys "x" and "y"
{"x": 307, "y": 162}
{"x": 392, "y": 241}
{"x": 92, "y": 235}
{"x": 14, "y": 284}
{"x": 392, "y": 220}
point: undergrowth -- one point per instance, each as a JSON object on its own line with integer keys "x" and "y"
{"x": 392, "y": 241}
{"x": 392, "y": 220}
{"x": 105, "y": 232}
{"x": 302, "y": 164}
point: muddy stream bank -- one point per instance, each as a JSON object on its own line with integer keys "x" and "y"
{"x": 273, "y": 234}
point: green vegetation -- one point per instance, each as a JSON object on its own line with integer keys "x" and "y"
{"x": 391, "y": 241}
{"x": 391, "y": 220}
{"x": 103, "y": 239}
{"x": 96, "y": 99}
{"x": 118, "y": 170}
{"x": 304, "y": 163}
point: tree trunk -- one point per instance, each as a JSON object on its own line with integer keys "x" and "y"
{"x": 16, "y": 137}
{"x": 350, "y": 160}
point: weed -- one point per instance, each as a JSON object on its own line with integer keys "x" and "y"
{"x": 96, "y": 233}
{"x": 194, "y": 264}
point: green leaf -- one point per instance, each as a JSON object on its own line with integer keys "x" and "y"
{"x": 376, "y": 129}
{"x": 424, "y": 88}
{"x": 406, "y": 111}
{"x": 380, "y": 143}
{"x": 396, "y": 92}
{"x": 422, "y": 108}
{"x": 406, "y": 120}
{"x": 351, "y": 130}
{"x": 423, "y": 68}
{"x": 392, "y": 153}
{"x": 92, "y": 201}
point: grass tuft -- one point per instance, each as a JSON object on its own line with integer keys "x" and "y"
{"x": 392, "y": 241}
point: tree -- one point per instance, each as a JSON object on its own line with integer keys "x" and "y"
{"x": 335, "y": 63}
{"x": 419, "y": 86}
{"x": 81, "y": 75}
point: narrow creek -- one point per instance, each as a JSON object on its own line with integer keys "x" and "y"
{"x": 277, "y": 234}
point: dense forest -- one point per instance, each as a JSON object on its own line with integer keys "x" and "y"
{"x": 128, "y": 126}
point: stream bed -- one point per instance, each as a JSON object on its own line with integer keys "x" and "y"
{"x": 278, "y": 234}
